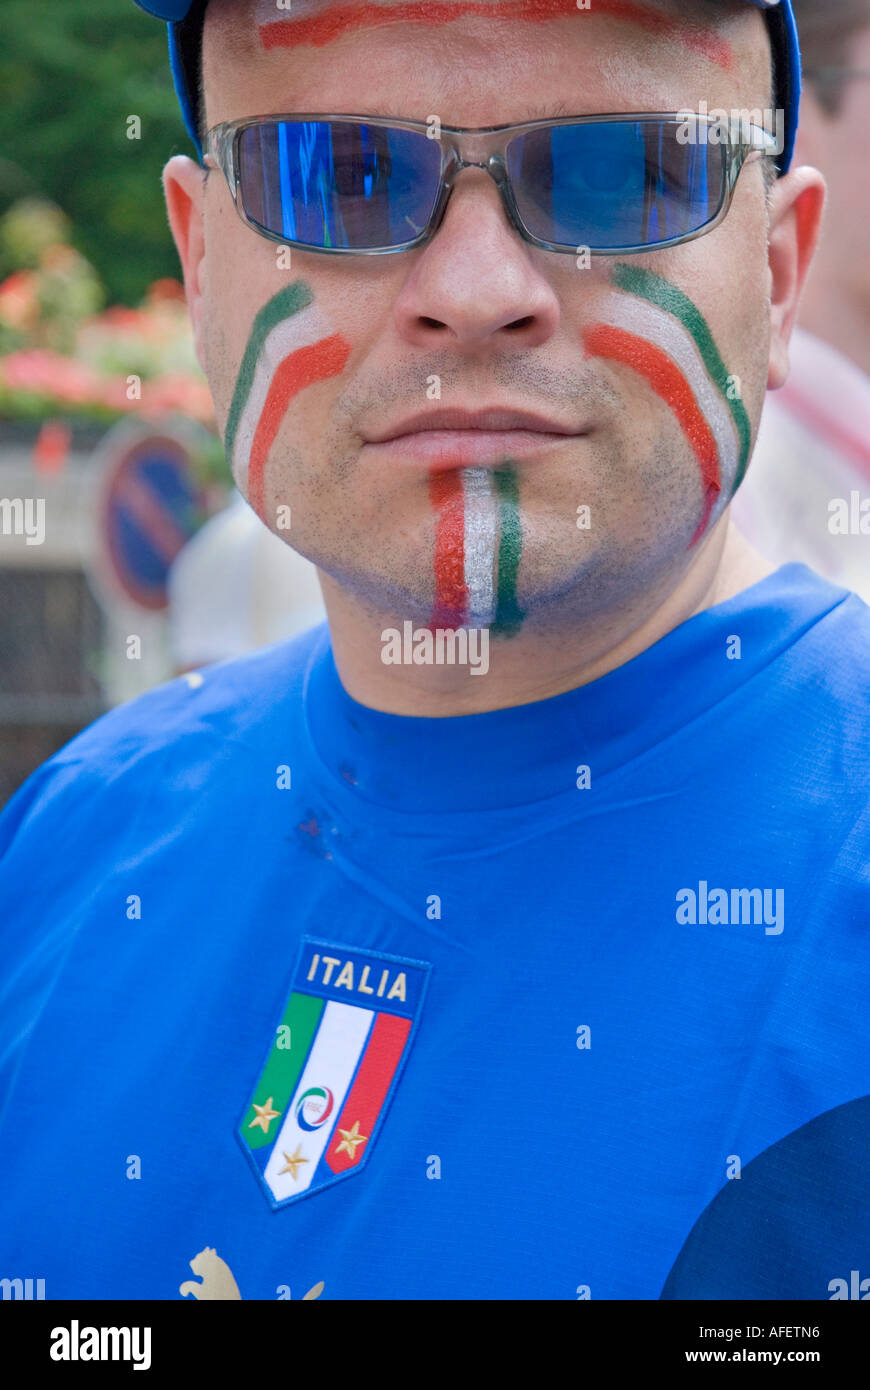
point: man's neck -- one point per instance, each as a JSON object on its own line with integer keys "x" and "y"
{"x": 534, "y": 665}
{"x": 838, "y": 316}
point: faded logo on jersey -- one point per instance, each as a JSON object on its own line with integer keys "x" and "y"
{"x": 216, "y": 1282}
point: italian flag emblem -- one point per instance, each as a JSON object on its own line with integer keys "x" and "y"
{"x": 332, "y": 1067}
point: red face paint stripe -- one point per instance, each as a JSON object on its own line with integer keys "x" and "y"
{"x": 339, "y": 20}
{"x": 600, "y": 340}
{"x": 708, "y": 44}
{"x": 302, "y": 368}
{"x": 451, "y": 592}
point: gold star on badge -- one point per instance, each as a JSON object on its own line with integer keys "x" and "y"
{"x": 264, "y": 1116}
{"x": 350, "y": 1138}
{"x": 293, "y": 1162}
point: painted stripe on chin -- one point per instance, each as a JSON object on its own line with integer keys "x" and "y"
{"x": 478, "y": 547}
{"x": 508, "y": 616}
{"x": 481, "y": 531}
{"x": 451, "y": 591}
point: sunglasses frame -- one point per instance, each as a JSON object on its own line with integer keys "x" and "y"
{"x": 457, "y": 142}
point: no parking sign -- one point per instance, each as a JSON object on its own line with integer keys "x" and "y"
{"x": 151, "y": 504}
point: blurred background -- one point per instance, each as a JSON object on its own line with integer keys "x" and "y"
{"x": 105, "y": 416}
{"x": 93, "y": 332}
{"x": 126, "y": 556}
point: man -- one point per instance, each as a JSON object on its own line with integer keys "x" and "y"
{"x": 807, "y": 495}
{"x": 492, "y": 941}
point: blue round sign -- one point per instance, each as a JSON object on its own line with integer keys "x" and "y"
{"x": 152, "y": 506}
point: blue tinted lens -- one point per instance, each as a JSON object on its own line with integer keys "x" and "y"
{"x": 615, "y": 183}
{"x": 338, "y": 185}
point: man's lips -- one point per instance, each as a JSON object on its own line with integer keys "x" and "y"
{"x": 466, "y": 448}
{"x": 464, "y": 439}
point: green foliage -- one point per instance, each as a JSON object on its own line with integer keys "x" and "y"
{"x": 27, "y": 230}
{"x": 71, "y": 74}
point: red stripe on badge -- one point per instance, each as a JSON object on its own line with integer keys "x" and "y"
{"x": 355, "y": 1124}
{"x": 666, "y": 379}
{"x": 299, "y": 369}
{"x": 451, "y": 591}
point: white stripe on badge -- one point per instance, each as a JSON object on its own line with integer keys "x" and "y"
{"x": 636, "y": 316}
{"x": 337, "y": 1047}
{"x": 480, "y": 538}
{"x": 300, "y": 330}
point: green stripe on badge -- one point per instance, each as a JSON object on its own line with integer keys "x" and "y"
{"x": 278, "y": 1081}
{"x": 283, "y": 305}
{"x": 667, "y": 296}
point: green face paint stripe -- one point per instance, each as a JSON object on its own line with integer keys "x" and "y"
{"x": 282, "y": 305}
{"x": 281, "y": 1072}
{"x": 508, "y": 614}
{"x": 667, "y": 296}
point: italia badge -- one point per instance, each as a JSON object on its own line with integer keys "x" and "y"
{"x": 332, "y": 1068}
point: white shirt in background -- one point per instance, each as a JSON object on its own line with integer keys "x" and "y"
{"x": 812, "y": 454}
{"x": 236, "y": 586}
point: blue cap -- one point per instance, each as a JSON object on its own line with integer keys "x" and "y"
{"x": 184, "y": 18}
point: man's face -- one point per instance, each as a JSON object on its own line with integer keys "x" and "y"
{"x": 488, "y": 320}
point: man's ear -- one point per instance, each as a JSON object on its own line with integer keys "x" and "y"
{"x": 184, "y": 189}
{"x": 797, "y": 202}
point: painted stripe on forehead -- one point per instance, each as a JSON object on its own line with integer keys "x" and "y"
{"x": 667, "y": 296}
{"x": 282, "y": 305}
{"x": 323, "y": 21}
{"x": 666, "y": 379}
{"x": 645, "y": 320}
{"x": 304, "y": 367}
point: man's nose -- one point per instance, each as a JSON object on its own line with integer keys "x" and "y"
{"x": 475, "y": 283}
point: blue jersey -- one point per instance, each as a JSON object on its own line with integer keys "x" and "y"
{"x": 566, "y": 1000}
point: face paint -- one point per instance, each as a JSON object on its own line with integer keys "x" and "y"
{"x": 508, "y": 614}
{"x": 655, "y": 329}
{"x": 478, "y": 530}
{"x": 319, "y": 22}
{"x": 665, "y": 295}
{"x": 290, "y": 346}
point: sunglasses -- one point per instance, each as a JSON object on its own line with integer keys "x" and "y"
{"x": 363, "y": 185}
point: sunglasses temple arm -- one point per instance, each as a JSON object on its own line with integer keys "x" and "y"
{"x": 220, "y": 143}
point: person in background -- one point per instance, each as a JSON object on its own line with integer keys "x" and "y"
{"x": 236, "y": 586}
{"x": 807, "y": 495}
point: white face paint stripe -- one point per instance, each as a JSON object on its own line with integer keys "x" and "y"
{"x": 481, "y": 533}
{"x": 302, "y": 329}
{"x": 637, "y": 316}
